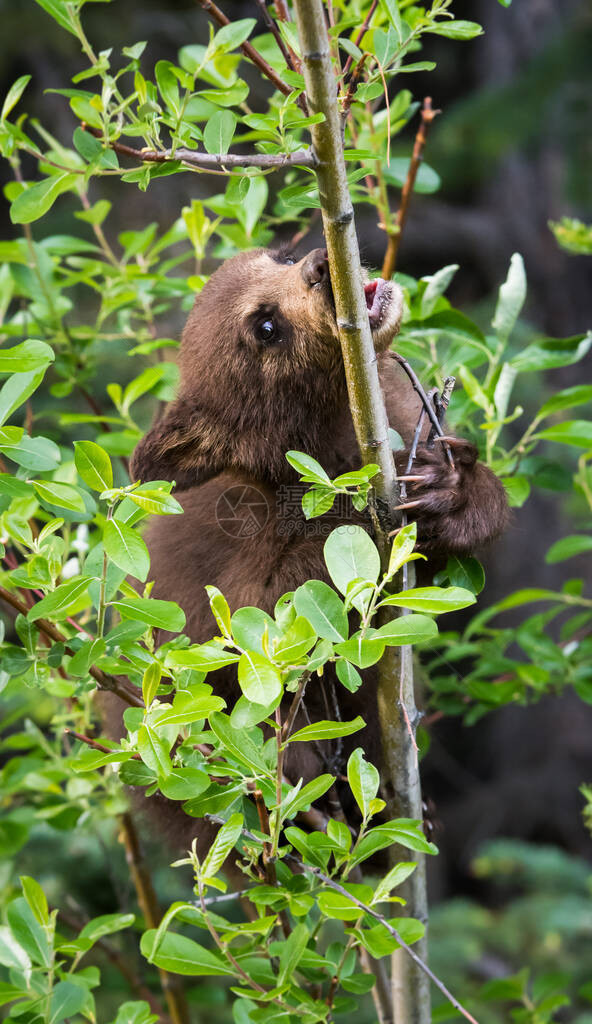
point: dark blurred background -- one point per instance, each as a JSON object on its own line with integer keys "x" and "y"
{"x": 513, "y": 148}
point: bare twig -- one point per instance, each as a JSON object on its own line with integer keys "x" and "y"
{"x": 426, "y": 402}
{"x": 247, "y": 48}
{"x": 140, "y": 875}
{"x": 291, "y": 59}
{"x": 392, "y": 249}
{"x": 104, "y": 681}
{"x": 95, "y": 744}
{"x": 215, "y": 819}
{"x": 363, "y": 29}
{"x": 209, "y": 161}
{"x": 395, "y": 934}
{"x": 295, "y": 705}
{"x": 353, "y": 84}
{"x": 442, "y": 403}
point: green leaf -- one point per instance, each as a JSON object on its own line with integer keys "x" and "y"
{"x": 184, "y": 783}
{"x": 67, "y": 999}
{"x": 37, "y": 199}
{"x": 106, "y": 924}
{"x": 574, "y": 432}
{"x": 456, "y": 29}
{"x": 250, "y": 625}
{"x": 12, "y": 953}
{"x": 205, "y": 657}
{"x": 391, "y": 9}
{"x": 238, "y": 743}
{"x": 181, "y": 955}
{"x": 29, "y": 356}
{"x": 311, "y": 471}
{"x": 186, "y": 708}
{"x": 568, "y": 547}
{"x": 431, "y": 599}
{"x": 319, "y": 603}
{"x": 36, "y": 899}
{"x": 28, "y": 932}
{"x": 135, "y": 1012}
{"x": 327, "y": 730}
{"x": 300, "y": 799}
{"x": 162, "y": 614}
{"x": 126, "y": 548}
{"x": 408, "y": 629}
{"x": 219, "y": 131}
{"x": 395, "y": 877}
{"x": 58, "y": 604}
{"x": 363, "y": 779}
{"x": 14, "y": 94}
{"x": 401, "y": 832}
{"x": 337, "y": 905}
{"x": 350, "y": 554}
{"x": 566, "y": 399}
{"x": 517, "y": 489}
{"x": 403, "y": 545}
{"x": 154, "y": 751}
{"x": 232, "y": 35}
{"x": 93, "y": 465}
{"x": 511, "y": 299}
{"x": 291, "y": 953}
{"x": 348, "y": 675}
{"x": 427, "y": 180}
{"x": 363, "y": 651}
{"x": 220, "y": 609}
{"x": 16, "y": 390}
{"x": 158, "y": 503}
{"x": 296, "y": 642}
{"x": 220, "y": 849}
{"x": 258, "y": 678}
{"x": 59, "y": 12}
{"x": 549, "y": 353}
{"x": 59, "y": 494}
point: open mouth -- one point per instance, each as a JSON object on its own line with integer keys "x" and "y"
{"x": 378, "y": 296}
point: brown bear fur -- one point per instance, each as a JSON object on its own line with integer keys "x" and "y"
{"x": 244, "y": 401}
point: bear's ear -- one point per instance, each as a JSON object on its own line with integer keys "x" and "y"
{"x": 173, "y": 449}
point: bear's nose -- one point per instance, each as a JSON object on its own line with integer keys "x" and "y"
{"x": 315, "y": 268}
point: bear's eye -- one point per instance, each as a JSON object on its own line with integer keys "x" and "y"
{"x": 290, "y": 260}
{"x": 266, "y": 330}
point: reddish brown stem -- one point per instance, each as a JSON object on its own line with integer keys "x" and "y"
{"x": 140, "y": 875}
{"x": 291, "y": 59}
{"x": 392, "y": 249}
{"x": 363, "y": 29}
{"x": 104, "y": 681}
{"x": 249, "y": 51}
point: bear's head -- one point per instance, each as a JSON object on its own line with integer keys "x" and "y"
{"x": 261, "y": 370}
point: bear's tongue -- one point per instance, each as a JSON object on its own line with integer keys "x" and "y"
{"x": 372, "y": 292}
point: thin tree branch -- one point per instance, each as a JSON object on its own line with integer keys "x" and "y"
{"x": 363, "y": 29}
{"x": 295, "y": 705}
{"x": 442, "y": 402}
{"x": 395, "y": 934}
{"x": 215, "y": 819}
{"x": 104, "y": 681}
{"x": 392, "y": 249}
{"x": 172, "y": 985}
{"x": 401, "y": 781}
{"x": 209, "y": 161}
{"x": 247, "y": 48}
{"x": 417, "y": 386}
{"x": 289, "y": 56}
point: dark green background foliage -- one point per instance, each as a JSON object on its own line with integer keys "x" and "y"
{"x": 99, "y": 263}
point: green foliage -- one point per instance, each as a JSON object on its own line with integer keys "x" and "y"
{"x": 76, "y": 308}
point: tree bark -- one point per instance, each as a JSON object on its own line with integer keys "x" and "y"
{"x": 396, "y": 700}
